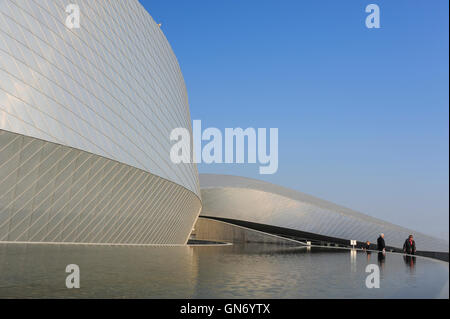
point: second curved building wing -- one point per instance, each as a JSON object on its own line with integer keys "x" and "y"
{"x": 244, "y": 199}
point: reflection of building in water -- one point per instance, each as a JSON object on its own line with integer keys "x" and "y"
{"x": 105, "y": 271}
{"x": 233, "y": 271}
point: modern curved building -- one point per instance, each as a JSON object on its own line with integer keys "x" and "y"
{"x": 85, "y": 119}
{"x": 278, "y": 210}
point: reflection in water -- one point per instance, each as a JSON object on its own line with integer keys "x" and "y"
{"x": 353, "y": 259}
{"x": 368, "y": 254}
{"x": 410, "y": 262}
{"x": 106, "y": 271}
{"x": 238, "y": 271}
{"x": 381, "y": 259}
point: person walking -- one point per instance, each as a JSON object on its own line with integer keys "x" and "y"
{"x": 381, "y": 245}
{"x": 409, "y": 247}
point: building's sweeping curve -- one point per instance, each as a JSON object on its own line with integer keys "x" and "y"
{"x": 249, "y": 200}
{"x": 85, "y": 120}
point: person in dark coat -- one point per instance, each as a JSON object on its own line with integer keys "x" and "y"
{"x": 366, "y": 245}
{"x": 409, "y": 247}
{"x": 380, "y": 243}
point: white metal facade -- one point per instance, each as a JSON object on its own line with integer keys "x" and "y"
{"x": 112, "y": 88}
{"x": 264, "y": 203}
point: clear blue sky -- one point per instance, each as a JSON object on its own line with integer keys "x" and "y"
{"x": 362, "y": 114}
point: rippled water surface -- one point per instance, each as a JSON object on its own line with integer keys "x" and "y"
{"x": 238, "y": 271}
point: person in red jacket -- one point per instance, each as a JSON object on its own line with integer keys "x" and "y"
{"x": 409, "y": 247}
